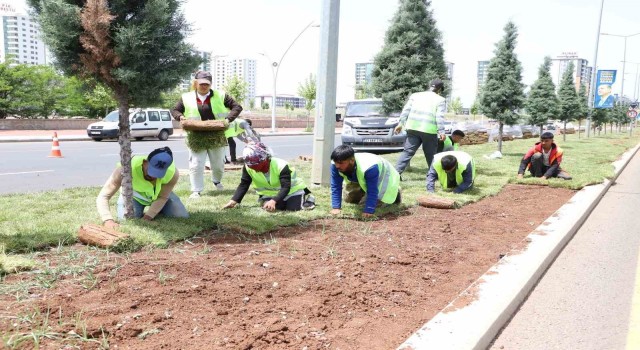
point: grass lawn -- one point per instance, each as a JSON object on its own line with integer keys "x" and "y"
{"x": 30, "y": 222}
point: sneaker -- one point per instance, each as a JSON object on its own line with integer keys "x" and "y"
{"x": 219, "y": 186}
{"x": 194, "y": 195}
{"x": 309, "y": 202}
{"x": 564, "y": 175}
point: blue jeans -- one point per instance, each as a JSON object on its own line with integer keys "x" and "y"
{"x": 172, "y": 209}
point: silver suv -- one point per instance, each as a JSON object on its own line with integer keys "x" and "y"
{"x": 367, "y": 129}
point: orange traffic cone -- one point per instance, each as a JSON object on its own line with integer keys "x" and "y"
{"x": 55, "y": 147}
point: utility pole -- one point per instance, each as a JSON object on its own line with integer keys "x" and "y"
{"x": 594, "y": 72}
{"x": 324, "y": 131}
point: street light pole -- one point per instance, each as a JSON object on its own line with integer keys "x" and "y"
{"x": 625, "y": 37}
{"x": 275, "y": 67}
{"x": 595, "y": 69}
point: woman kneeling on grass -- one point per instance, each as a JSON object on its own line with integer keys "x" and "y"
{"x": 277, "y": 184}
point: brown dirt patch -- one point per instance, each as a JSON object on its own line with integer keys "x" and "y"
{"x": 332, "y": 284}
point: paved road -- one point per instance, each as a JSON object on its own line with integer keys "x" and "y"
{"x": 25, "y": 167}
{"x": 590, "y": 297}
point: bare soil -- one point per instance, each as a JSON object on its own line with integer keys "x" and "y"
{"x": 331, "y": 284}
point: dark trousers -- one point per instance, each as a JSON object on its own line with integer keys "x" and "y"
{"x": 294, "y": 203}
{"x": 538, "y": 169}
{"x": 232, "y": 148}
{"x": 414, "y": 139}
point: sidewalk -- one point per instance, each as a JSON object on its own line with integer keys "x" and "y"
{"x": 81, "y": 135}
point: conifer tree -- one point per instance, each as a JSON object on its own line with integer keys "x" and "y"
{"x": 411, "y": 57}
{"x": 568, "y": 97}
{"x": 542, "y": 103}
{"x": 136, "y": 48}
{"x": 502, "y": 95}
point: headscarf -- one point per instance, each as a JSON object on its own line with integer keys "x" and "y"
{"x": 255, "y": 153}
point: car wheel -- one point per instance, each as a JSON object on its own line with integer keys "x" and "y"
{"x": 97, "y": 139}
{"x": 164, "y": 135}
{"x": 139, "y": 138}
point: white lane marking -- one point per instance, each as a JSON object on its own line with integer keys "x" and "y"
{"x": 28, "y": 172}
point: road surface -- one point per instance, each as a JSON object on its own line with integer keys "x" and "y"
{"x": 590, "y": 296}
{"x": 25, "y": 166}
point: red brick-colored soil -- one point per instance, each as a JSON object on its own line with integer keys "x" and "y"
{"x": 333, "y": 284}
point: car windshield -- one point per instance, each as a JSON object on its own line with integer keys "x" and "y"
{"x": 112, "y": 117}
{"x": 363, "y": 109}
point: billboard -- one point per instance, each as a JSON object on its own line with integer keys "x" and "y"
{"x": 604, "y": 83}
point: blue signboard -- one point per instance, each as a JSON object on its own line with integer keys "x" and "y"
{"x": 604, "y": 82}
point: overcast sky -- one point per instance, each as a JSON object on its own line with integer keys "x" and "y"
{"x": 470, "y": 29}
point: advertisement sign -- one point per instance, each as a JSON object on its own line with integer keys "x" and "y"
{"x": 604, "y": 83}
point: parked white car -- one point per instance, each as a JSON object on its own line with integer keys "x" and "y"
{"x": 148, "y": 122}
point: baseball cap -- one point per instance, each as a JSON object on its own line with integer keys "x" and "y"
{"x": 437, "y": 84}
{"x": 204, "y": 77}
{"x": 159, "y": 161}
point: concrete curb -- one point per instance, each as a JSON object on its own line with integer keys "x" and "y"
{"x": 86, "y": 138}
{"x": 499, "y": 292}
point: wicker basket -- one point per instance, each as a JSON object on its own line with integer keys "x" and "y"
{"x": 203, "y": 125}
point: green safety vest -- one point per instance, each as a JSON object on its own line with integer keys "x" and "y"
{"x": 422, "y": 116}
{"x": 144, "y": 191}
{"x": 234, "y": 128}
{"x": 271, "y": 187}
{"x": 388, "y": 180}
{"x": 449, "y": 143}
{"x": 199, "y": 141}
{"x": 463, "y": 161}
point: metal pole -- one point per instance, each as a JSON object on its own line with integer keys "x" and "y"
{"x": 624, "y": 62}
{"x": 325, "y": 122}
{"x": 635, "y": 88}
{"x": 274, "y": 70}
{"x": 595, "y": 69}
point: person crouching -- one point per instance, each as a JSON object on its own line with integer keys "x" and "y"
{"x": 277, "y": 184}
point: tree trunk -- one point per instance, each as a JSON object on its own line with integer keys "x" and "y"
{"x": 126, "y": 187}
{"x": 541, "y": 129}
{"x": 579, "y": 120}
{"x": 611, "y": 128}
{"x": 500, "y": 128}
{"x": 564, "y": 134}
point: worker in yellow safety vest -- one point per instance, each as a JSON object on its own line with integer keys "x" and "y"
{"x": 423, "y": 119}
{"x": 277, "y": 183}
{"x": 371, "y": 180}
{"x": 453, "y": 170}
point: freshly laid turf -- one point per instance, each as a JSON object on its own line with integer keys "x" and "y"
{"x": 30, "y": 222}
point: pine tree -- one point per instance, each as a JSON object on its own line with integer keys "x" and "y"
{"x": 502, "y": 95}
{"x": 568, "y": 97}
{"x": 542, "y": 103}
{"x": 583, "y": 100}
{"x": 411, "y": 57}
{"x": 135, "y": 48}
